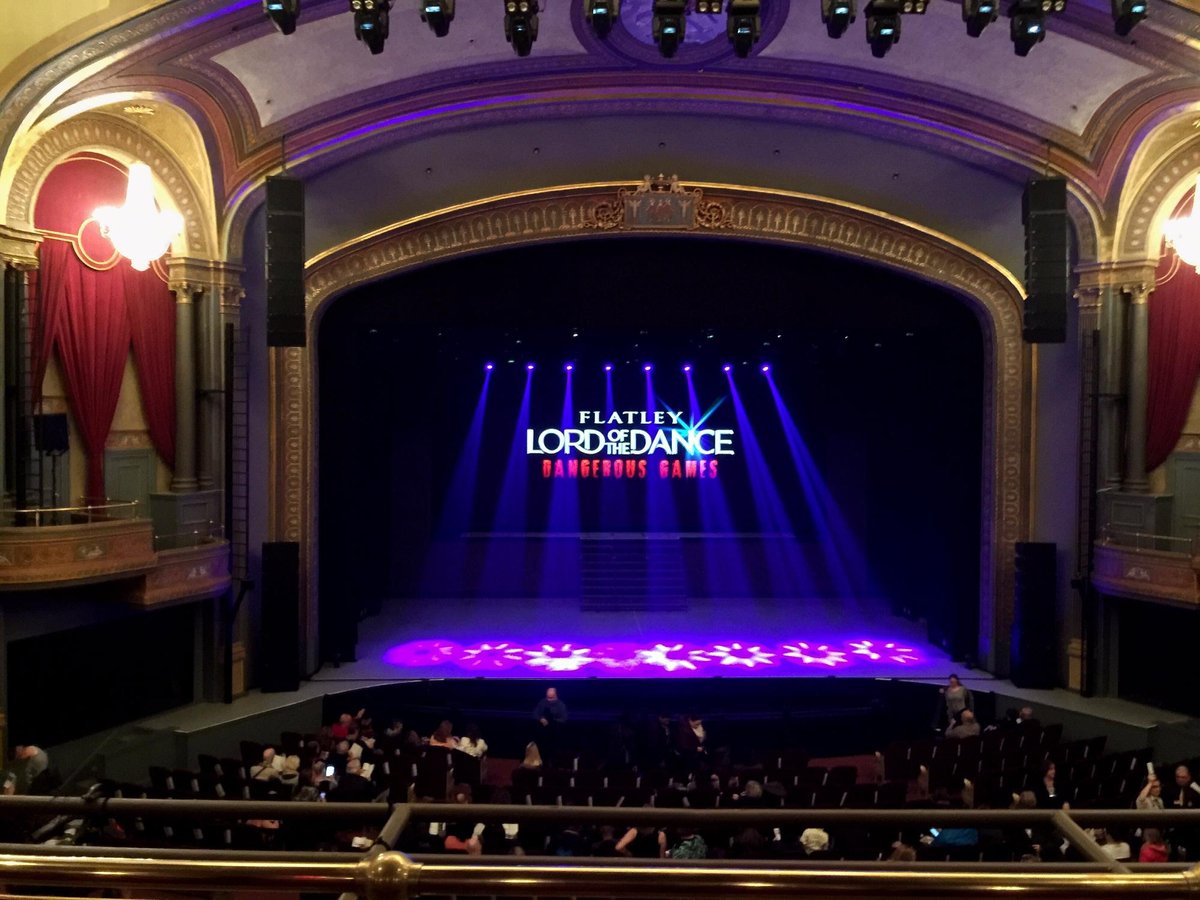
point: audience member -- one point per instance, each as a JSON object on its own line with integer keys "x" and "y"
{"x": 353, "y": 787}
{"x": 1180, "y": 794}
{"x": 550, "y": 710}
{"x": 1111, "y": 844}
{"x": 1154, "y": 847}
{"x": 1151, "y": 794}
{"x": 462, "y": 837}
{"x": 691, "y": 739}
{"x": 31, "y": 762}
{"x": 902, "y": 852}
{"x": 955, "y": 698}
{"x": 473, "y": 744}
{"x": 689, "y": 846}
{"x": 269, "y": 768}
{"x": 345, "y": 723}
{"x": 815, "y": 842}
{"x": 533, "y": 757}
{"x": 646, "y": 842}
{"x": 1050, "y": 793}
{"x": 443, "y": 736}
{"x": 966, "y": 728}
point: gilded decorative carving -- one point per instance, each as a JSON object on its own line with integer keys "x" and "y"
{"x": 19, "y": 247}
{"x": 1149, "y": 574}
{"x": 74, "y": 554}
{"x": 1135, "y": 238}
{"x": 738, "y": 212}
{"x": 128, "y": 440}
{"x": 187, "y": 573}
{"x": 99, "y": 131}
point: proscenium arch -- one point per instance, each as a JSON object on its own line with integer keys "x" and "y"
{"x": 596, "y": 210}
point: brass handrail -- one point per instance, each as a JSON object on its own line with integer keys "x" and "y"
{"x": 394, "y": 876}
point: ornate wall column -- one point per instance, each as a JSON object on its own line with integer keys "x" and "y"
{"x": 18, "y": 257}
{"x": 184, "y": 478}
{"x": 1137, "y": 358}
{"x": 1112, "y": 384}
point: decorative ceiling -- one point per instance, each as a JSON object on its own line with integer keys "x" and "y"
{"x": 583, "y": 107}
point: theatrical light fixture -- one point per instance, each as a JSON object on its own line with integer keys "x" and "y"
{"x": 529, "y": 367}
{"x": 1027, "y": 24}
{"x": 766, "y": 369}
{"x": 837, "y": 16}
{"x": 138, "y": 229}
{"x": 687, "y": 370}
{"x": 744, "y": 27}
{"x": 647, "y": 368}
{"x": 608, "y": 367}
{"x": 371, "y": 22}
{"x": 709, "y": 7}
{"x": 727, "y": 368}
{"x": 601, "y": 14}
{"x": 437, "y": 14}
{"x": 569, "y": 367}
{"x": 521, "y": 24}
{"x": 978, "y": 14}
{"x": 489, "y": 366}
{"x": 668, "y": 25}
{"x": 283, "y": 13}
{"x": 1183, "y": 234}
{"x": 883, "y": 25}
{"x": 1127, "y": 13}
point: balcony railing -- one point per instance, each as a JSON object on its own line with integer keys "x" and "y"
{"x": 83, "y": 514}
{"x": 195, "y": 536}
{"x": 384, "y": 874}
{"x": 1138, "y": 540}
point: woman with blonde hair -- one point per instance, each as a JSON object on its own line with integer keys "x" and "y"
{"x": 533, "y": 757}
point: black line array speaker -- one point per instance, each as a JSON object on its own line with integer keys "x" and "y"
{"x": 280, "y": 648}
{"x": 1047, "y": 260}
{"x": 285, "y": 261}
{"x": 1033, "y": 653}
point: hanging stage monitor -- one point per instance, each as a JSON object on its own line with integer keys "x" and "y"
{"x": 1047, "y": 260}
{"x": 285, "y": 261}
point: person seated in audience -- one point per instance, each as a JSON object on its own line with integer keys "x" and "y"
{"x": 398, "y": 735}
{"x": 658, "y": 742}
{"x": 339, "y": 756}
{"x": 550, "y": 710}
{"x": 1051, "y": 793}
{"x": 955, "y": 698}
{"x": 749, "y": 843}
{"x": 353, "y": 786}
{"x": 691, "y": 739}
{"x": 533, "y": 757}
{"x": 341, "y": 728}
{"x": 269, "y": 768}
{"x": 31, "y": 762}
{"x": 646, "y": 842}
{"x": 462, "y": 837}
{"x": 605, "y": 844}
{"x": 815, "y": 842}
{"x": 1111, "y": 844}
{"x": 443, "y": 736}
{"x": 473, "y": 744}
{"x": 1180, "y": 794}
{"x": 690, "y": 845}
{"x": 967, "y": 727}
{"x": 1151, "y": 794}
{"x": 1154, "y": 847}
{"x": 902, "y": 852}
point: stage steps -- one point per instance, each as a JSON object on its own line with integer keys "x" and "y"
{"x": 633, "y": 573}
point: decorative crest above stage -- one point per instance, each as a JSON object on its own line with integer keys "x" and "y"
{"x": 660, "y": 203}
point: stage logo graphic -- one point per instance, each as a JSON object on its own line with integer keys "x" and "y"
{"x": 625, "y": 444}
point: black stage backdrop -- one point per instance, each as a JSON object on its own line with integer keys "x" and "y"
{"x": 882, "y": 375}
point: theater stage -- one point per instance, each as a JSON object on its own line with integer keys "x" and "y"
{"x": 554, "y": 638}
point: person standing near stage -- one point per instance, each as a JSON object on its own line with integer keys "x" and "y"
{"x": 551, "y": 716}
{"x": 956, "y": 698}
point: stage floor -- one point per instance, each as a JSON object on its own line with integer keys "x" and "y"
{"x": 802, "y": 637}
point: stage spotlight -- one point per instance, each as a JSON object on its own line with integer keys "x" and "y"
{"x": 766, "y": 369}
{"x": 489, "y": 366}
{"x": 601, "y": 14}
{"x": 529, "y": 367}
{"x": 569, "y": 367}
{"x": 978, "y": 14}
{"x": 727, "y": 368}
{"x": 1126, "y": 14}
{"x": 647, "y": 368}
{"x": 668, "y": 25}
{"x": 709, "y": 7}
{"x": 883, "y": 25}
{"x": 438, "y": 14}
{"x": 687, "y": 370}
{"x": 283, "y": 13}
{"x": 521, "y": 24}
{"x": 1027, "y": 25}
{"x": 371, "y": 22}
{"x": 744, "y": 26}
{"x": 608, "y": 367}
{"x": 837, "y": 16}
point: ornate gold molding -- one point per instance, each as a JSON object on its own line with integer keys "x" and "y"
{"x": 75, "y": 554}
{"x": 598, "y": 210}
{"x": 19, "y": 247}
{"x": 97, "y": 131}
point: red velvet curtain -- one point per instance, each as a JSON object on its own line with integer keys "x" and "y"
{"x": 1174, "y": 359}
{"x": 151, "y": 308}
{"x": 92, "y": 333}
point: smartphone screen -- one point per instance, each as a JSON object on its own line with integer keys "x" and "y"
{"x": 329, "y": 770}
